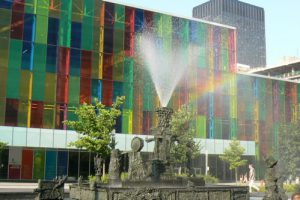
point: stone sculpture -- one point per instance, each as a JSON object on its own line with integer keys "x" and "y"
{"x": 114, "y": 167}
{"x": 51, "y": 189}
{"x": 274, "y": 186}
{"x": 136, "y": 170}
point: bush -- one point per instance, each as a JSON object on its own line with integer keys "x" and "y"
{"x": 210, "y": 179}
{"x": 104, "y": 179}
{"x": 290, "y": 188}
{"x": 124, "y": 176}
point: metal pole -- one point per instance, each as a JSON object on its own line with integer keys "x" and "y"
{"x": 206, "y": 161}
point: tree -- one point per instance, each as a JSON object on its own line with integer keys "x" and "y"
{"x": 289, "y": 148}
{"x": 184, "y": 149}
{"x": 233, "y": 155}
{"x": 2, "y": 146}
{"x": 95, "y": 124}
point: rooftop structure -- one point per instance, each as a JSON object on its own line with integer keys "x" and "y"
{"x": 249, "y": 21}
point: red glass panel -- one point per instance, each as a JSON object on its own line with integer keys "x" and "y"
{"x": 147, "y": 122}
{"x": 85, "y": 90}
{"x": 11, "y": 112}
{"x": 107, "y": 66}
{"x": 62, "y": 76}
{"x": 61, "y": 115}
{"x": 86, "y": 64}
{"x": 27, "y": 164}
{"x": 129, "y": 31}
{"x": 18, "y": 5}
{"x": 148, "y": 19}
{"x": 107, "y": 92}
{"x": 17, "y": 25}
{"x": 36, "y": 120}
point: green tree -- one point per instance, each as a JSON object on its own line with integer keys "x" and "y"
{"x": 95, "y": 124}
{"x": 2, "y": 146}
{"x": 289, "y": 148}
{"x": 233, "y": 155}
{"x": 184, "y": 148}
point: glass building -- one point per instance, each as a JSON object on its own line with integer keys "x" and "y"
{"x": 55, "y": 55}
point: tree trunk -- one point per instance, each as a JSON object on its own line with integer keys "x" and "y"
{"x": 236, "y": 175}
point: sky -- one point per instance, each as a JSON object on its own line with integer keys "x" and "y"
{"x": 282, "y": 22}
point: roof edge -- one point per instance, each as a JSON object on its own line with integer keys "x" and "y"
{"x": 120, "y": 2}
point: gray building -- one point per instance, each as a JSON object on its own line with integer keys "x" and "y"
{"x": 249, "y": 21}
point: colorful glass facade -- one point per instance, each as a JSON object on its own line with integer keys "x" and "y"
{"x": 55, "y": 55}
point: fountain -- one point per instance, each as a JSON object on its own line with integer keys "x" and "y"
{"x": 154, "y": 178}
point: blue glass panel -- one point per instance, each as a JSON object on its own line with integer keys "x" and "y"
{"x": 76, "y": 35}
{"x": 75, "y": 62}
{"x": 139, "y": 20}
{"x": 118, "y": 89}
{"x": 51, "y": 59}
{"x": 53, "y": 28}
{"x": 29, "y": 27}
{"x": 50, "y": 172}
{"x": 27, "y": 55}
{"x": 97, "y": 89}
{"x": 6, "y": 4}
{"x": 193, "y": 31}
{"x": 62, "y": 163}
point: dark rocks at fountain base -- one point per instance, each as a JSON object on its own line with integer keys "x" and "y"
{"x": 274, "y": 184}
{"x": 160, "y": 193}
{"x": 51, "y": 190}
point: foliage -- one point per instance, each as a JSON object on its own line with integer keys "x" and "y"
{"x": 104, "y": 178}
{"x": 95, "y": 124}
{"x": 124, "y": 176}
{"x": 289, "y": 188}
{"x": 2, "y": 146}
{"x": 289, "y": 148}
{"x": 183, "y": 133}
{"x": 233, "y": 155}
{"x": 210, "y": 179}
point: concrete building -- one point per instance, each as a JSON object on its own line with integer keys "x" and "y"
{"x": 249, "y": 21}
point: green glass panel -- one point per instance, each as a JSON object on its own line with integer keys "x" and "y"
{"x": 87, "y": 33}
{"x": 42, "y": 7}
{"x": 5, "y": 16}
{"x": 38, "y": 86}
{"x": 15, "y": 54}
{"x": 39, "y": 62}
{"x": 23, "y": 110}
{"x": 13, "y": 83}
{"x": 2, "y": 110}
{"x": 233, "y": 129}
{"x": 25, "y": 85}
{"x": 65, "y": 23}
{"x": 39, "y": 164}
{"x": 30, "y": 6}
{"x": 218, "y": 129}
{"x": 77, "y": 10}
{"x": 119, "y": 17}
{"x": 201, "y": 126}
{"x": 4, "y": 52}
{"x": 41, "y": 29}
{"x": 50, "y": 88}
{"x": 49, "y": 116}
{"x": 74, "y": 89}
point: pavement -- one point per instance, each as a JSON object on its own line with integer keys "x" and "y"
{"x": 22, "y": 187}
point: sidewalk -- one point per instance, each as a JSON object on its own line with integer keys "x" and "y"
{"x": 22, "y": 187}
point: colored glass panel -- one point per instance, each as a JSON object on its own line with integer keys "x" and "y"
{"x": 39, "y": 164}
{"x": 27, "y": 164}
{"x": 62, "y": 163}
{"x": 50, "y": 164}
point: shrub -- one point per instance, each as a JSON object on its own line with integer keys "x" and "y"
{"x": 210, "y": 179}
